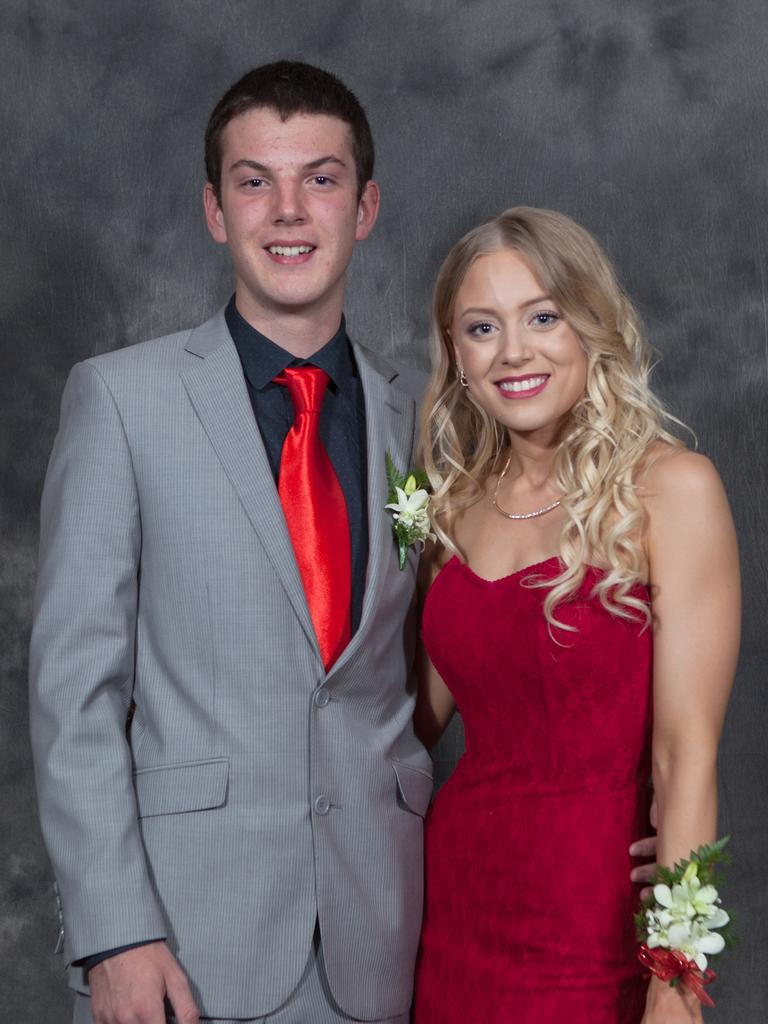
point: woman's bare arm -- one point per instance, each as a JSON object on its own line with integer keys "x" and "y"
{"x": 434, "y": 703}
{"x": 695, "y": 593}
{"x": 695, "y": 588}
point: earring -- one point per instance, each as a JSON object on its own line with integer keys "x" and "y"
{"x": 463, "y": 378}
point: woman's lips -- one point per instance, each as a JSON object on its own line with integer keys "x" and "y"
{"x": 522, "y": 387}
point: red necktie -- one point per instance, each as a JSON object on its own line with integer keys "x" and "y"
{"x": 316, "y": 514}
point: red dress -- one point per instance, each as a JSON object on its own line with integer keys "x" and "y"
{"x": 529, "y": 905}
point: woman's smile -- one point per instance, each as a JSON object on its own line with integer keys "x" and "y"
{"x": 527, "y": 386}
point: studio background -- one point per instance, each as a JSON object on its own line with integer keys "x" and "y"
{"x": 645, "y": 121}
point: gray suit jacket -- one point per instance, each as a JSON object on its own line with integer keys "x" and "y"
{"x": 253, "y": 792}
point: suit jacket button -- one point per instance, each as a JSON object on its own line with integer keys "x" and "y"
{"x": 322, "y": 696}
{"x": 322, "y": 804}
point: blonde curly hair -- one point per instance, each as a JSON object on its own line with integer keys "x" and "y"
{"x": 611, "y": 430}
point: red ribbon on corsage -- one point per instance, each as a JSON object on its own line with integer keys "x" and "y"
{"x": 668, "y": 964}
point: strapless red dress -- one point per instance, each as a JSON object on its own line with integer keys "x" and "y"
{"x": 529, "y": 906}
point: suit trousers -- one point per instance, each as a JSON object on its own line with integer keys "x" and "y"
{"x": 310, "y": 1003}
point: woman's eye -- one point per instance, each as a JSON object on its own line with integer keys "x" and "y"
{"x": 479, "y": 330}
{"x": 544, "y": 319}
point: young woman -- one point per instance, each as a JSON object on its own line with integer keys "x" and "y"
{"x": 584, "y": 615}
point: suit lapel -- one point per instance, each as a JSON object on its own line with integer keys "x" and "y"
{"x": 389, "y": 427}
{"x": 218, "y": 392}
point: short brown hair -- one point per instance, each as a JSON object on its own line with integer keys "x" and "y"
{"x": 290, "y": 87}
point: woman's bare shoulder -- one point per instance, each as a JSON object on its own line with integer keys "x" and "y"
{"x": 671, "y": 473}
{"x": 433, "y": 558}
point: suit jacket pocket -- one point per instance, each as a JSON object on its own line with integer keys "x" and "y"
{"x": 414, "y": 786}
{"x": 177, "y": 788}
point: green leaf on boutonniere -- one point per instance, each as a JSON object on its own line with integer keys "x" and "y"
{"x": 395, "y": 478}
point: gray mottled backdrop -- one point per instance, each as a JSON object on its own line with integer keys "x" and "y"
{"x": 644, "y": 120}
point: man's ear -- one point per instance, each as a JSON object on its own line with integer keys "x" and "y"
{"x": 214, "y": 215}
{"x": 367, "y": 210}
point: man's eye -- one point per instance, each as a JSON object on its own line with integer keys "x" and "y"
{"x": 321, "y": 179}
{"x": 254, "y": 183}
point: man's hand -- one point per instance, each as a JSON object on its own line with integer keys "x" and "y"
{"x": 645, "y": 848}
{"x": 131, "y": 988}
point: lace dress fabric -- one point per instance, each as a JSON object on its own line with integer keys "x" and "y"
{"x": 529, "y": 905}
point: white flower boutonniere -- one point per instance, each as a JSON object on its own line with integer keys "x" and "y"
{"x": 409, "y": 507}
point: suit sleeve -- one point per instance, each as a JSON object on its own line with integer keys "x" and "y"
{"x": 81, "y": 675}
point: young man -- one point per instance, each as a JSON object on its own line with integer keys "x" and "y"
{"x": 230, "y": 788}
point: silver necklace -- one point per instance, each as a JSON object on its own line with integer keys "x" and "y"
{"x": 518, "y": 515}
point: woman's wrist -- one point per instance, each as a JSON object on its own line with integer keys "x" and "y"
{"x": 663, "y": 995}
{"x": 667, "y": 1005}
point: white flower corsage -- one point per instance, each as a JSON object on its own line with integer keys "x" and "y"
{"x": 409, "y": 506}
{"x": 682, "y": 922}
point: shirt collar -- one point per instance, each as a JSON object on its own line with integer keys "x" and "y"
{"x": 262, "y": 359}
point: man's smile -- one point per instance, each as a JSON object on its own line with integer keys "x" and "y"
{"x": 289, "y": 252}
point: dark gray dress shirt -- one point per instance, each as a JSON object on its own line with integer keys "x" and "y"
{"x": 342, "y": 422}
